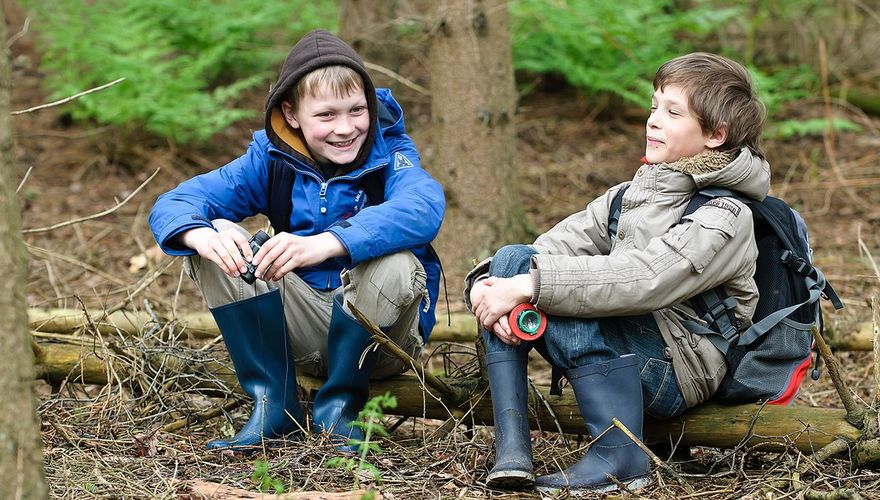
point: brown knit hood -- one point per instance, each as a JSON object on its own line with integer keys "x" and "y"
{"x": 316, "y": 49}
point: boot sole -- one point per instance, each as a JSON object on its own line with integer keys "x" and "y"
{"x": 510, "y": 480}
{"x": 631, "y": 485}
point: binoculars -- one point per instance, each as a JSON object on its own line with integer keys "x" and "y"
{"x": 255, "y": 243}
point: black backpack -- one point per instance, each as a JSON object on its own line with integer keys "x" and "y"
{"x": 768, "y": 360}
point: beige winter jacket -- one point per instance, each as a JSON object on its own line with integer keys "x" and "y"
{"x": 658, "y": 260}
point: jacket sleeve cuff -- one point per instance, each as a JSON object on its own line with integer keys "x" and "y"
{"x": 170, "y": 240}
{"x": 536, "y": 285}
{"x": 356, "y": 241}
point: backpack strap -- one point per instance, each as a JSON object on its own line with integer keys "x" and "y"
{"x": 718, "y": 310}
{"x": 281, "y": 179}
{"x": 614, "y": 214}
{"x": 816, "y": 286}
{"x": 715, "y": 306}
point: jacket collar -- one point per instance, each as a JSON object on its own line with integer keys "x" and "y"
{"x": 703, "y": 163}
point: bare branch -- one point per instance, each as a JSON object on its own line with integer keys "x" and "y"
{"x": 24, "y": 29}
{"x": 400, "y": 78}
{"x": 93, "y": 216}
{"x": 24, "y": 179}
{"x": 67, "y": 99}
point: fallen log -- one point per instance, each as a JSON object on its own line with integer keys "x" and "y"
{"x": 201, "y": 325}
{"x": 204, "y": 490}
{"x": 768, "y": 428}
{"x": 858, "y": 339}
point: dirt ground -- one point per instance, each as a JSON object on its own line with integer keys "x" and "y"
{"x": 102, "y": 441}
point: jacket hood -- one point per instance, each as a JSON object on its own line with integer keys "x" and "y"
{"x": 315, "y": 50}
{"x": 743, "y": 172}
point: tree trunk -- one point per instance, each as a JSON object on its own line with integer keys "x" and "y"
{"x": 767, "y": 428}
{"x": 370, "y": 26}
{"x": 473, "y": 103}
{"x": 21, "y": 460}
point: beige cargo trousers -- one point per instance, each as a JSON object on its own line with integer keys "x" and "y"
{"x": 388, "y": 290}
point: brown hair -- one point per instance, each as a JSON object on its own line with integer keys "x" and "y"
{"x": 342, "y": 80}
{"x": 720, "y": 92}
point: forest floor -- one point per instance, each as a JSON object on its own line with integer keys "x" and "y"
{"x": 102, "y": 441}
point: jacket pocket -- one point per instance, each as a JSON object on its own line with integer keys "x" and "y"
{"x": 701, "y": 235}
{"x": 699, "y": 366}
{"x": 663, "y": 399}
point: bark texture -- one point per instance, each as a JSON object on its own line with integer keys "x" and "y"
{"x": 473, "y": 103}
{"x": 21, "y": 459}
{"x": 370, "y": 26}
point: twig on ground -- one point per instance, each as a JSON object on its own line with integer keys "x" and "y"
{"x": 202, "y": 416}
{"x": 391, "y": 347}
{"x": 67, "y": 99}
{"x": 855, "y": 413}
{"x": 654, "y": 458}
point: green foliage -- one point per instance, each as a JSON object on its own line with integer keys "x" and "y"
{"x": 184, "y": 62}
{"x": 370, "y": 421}
{"x": 786, "y": 85}
{"x": 787, "y": 129}
{"x": 264, "y": 480}
{"x": 610, "y": 46}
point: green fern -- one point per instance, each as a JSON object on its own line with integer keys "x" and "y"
{"x": 607, "y": 46}
{"x": 184, "y": 62}
{"x": 370, "y": 422}
{"x": 264, "y": 480}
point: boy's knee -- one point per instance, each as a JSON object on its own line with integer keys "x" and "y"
{"x": 511, "y": 260}
{"x": 221, "y": 224}
{"x": 398, "y": 279}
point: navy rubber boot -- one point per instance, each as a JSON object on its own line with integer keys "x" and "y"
{"x": 510, "y": 400}
{"x": 606, "y": 390}
{"x": 256, "y": 337}
{"x": 347, "y": 388}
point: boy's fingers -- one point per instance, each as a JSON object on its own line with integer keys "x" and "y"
{"x": 505, "y": 325}
{"x": 504, "y": 336}
{"x": 231, "y": 250}
{"x": 224, "y": 259}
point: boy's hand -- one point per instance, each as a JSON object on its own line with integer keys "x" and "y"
{"x": 496, "y": 297}
{"x": 285, "y": 252}
{"x": 221, "y": 248}
{"x": 501, "y": 328}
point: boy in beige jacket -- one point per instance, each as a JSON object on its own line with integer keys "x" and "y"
{"x": 619, "y": 325}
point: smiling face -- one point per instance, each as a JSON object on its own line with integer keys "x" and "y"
{"x": 334, "y": 128}
{"x": 673, "y": 131}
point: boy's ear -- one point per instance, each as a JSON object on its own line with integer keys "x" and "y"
{"x": 289, "y": 116}
{"x": 717, "y": 137}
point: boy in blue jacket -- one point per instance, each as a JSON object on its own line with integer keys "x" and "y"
{"x": 353, "y": 214}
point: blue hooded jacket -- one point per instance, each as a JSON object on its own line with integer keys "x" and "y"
{"x": 408, "y": 219}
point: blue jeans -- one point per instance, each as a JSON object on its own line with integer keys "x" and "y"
{"x": 572, "y": 342}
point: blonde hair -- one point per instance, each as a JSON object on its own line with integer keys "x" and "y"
{"x": 720, "y": 93}
{"x": 342, "y": 80}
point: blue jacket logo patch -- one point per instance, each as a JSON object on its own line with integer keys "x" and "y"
{"x": 401, "y": 162}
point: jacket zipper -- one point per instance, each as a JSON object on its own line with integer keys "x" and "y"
{"x": 322, "y": 194}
